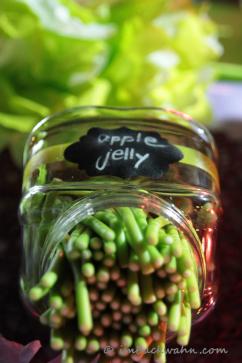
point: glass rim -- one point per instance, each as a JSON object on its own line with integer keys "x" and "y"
{"x": 91, "y": 111}
{"x": 132, "y": 197}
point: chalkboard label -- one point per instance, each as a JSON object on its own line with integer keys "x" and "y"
{"x": 123, "y": 152}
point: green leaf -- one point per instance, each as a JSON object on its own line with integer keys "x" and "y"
{"x": 56, "y": 54}
{"x": 56, "y": 16}
{"x": 17, "y": 122}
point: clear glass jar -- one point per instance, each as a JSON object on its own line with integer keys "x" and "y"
{"x": 90, "y": 159}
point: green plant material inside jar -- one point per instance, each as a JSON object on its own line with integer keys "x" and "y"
{"x": 121, "y": 278}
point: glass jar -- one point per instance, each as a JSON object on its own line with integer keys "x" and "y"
{"x": 84, "y": 161}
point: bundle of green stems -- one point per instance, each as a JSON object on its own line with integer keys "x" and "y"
{"x": 121, "y": 280}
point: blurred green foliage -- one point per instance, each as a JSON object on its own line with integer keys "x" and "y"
{"x": 56, "y": 54}
{"x": 229, "y": 19}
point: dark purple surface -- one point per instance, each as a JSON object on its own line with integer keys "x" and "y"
{"x": 223, "y": 328}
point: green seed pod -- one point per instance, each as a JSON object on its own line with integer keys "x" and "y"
{"x": 38, "y": 292}
{"x": 144, "y": 331}
{"x": 176, "y": 246}
{"x": 160, "y": 308}
{"x": 184, "y": 330}
{"x": 184, "y": 265}
{"x": 83, "y": 305}
{"x": 157, "y": 260}
{"x": 193, "y": 291}
{"x": 160, "y": 355}
{"x": 75, "y": 233}
{"x": 188, "y": 252}
{"x": 88, "y": 269}
{"x": 122, "y": 247}
{"x": 86, "y": 255}
{"x": 49, "y": 279}
{"x": 147, "y": 290}
{"x": 171, "y": 298}
{"x": 95, "y": 243}
{"x": 162, "y": 235}
{"x": 134, "y": 231}
{"x": 81, "y": 243}
{"x": 56, "y": 339}
{"x": 101, "y": 229}
{"x": 103, "y": 274}
{"x": 170, "y": 288}
{"x": 140, "y": 344}
{"x": 80, "y": 343}
{"x": 176, "y": 277}
{"x": 134, "y": 262}
{"x": 134, "y": 295}
{"x": 126, "y": 340}
{"x": 141, "y": 217}
{"x": 109, "y": 247}
{"x": 171, "y": 266}
{"x": 108, "y": 217}
{"x": 93, "y": 346}
{"x": 175, "y": 313}
{"x": 152, "y": 231}
{"x": 56, "y": 301}
{"x": 145, "y": 261}
{"x": 182, "y": 285}
{"x": 165, "y": 251}
{"x": 153, "y": 318}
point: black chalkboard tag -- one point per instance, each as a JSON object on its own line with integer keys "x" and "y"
{"x": 123, "y": 152}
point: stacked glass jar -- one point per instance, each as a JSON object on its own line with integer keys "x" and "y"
{"x": 119, "y": 213}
